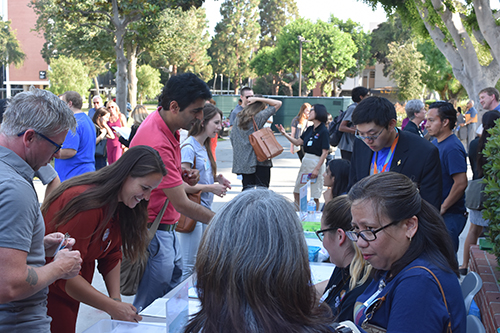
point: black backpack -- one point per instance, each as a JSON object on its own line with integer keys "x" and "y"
{"x": 335, "y": 134}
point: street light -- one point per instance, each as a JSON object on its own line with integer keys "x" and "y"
{"x": 301, "y": 40}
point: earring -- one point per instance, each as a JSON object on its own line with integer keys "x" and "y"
{"x": 410, "y": 238}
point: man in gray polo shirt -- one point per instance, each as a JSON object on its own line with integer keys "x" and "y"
{"x": 34, "y": 125}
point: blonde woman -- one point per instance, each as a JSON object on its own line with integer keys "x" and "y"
{"x": 351, "y": 275}
{"x": 117, "y": 119}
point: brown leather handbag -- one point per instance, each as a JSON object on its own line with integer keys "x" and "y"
{"x": 187, "y": 224}
{"x": 264, "y": 143}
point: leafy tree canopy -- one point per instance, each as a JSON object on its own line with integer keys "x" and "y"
{"x": 10, "y": 50}
{"x": 67, "y": 74}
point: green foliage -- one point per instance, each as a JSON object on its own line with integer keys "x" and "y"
{"x": 148, "y": 85}
{"x": 406, "y": 69}
{"x": 235, "y": 39}
{"x": 439, "y": 75}
{"x": 386, "y": 33}
{"x": 67, "y": 74}
{"x": 10, "y": 50}
{"x": 274, "y": 15}
{"x": 492, "y": 190}
{"x": 325, "y": 59}
{"x": 362, "y": 40}
{"x": 183, "y": 42}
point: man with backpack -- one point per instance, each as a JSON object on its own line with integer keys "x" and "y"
{"x": 346, "y": 143}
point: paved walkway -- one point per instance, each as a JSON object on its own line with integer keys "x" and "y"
{"x": 283, "y": 174}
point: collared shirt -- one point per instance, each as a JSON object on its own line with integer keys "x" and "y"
{"x": 21, "y": 222}
{"x": 155, "y": 133}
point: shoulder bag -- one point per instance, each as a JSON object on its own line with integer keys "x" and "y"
{"x": 131, "y": 272}
{"x": 370, "y": 328}
{"x": 187, "y": 224}
{"x": 474, "y": 194}
{"x": 264, "y": 143}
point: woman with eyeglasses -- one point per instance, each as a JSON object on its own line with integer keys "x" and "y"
{"x": 415, "y": 286}
{"x": 315, "y": 142}
{"x": 253, "y": 272}
{"x": 351, "y": 275}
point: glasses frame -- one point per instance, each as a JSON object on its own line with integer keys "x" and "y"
{"x": 369, "y": 137}
{"x": 58, "y": 146}
{"x": 354, "y": 235}
{"x": 322, "y": 231}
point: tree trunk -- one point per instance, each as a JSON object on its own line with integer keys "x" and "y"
{"x": 96, "y": 83}
{"x": 132, "y": 53}
{"x": 121, "y": 60}
{"x": 462, "y": 55}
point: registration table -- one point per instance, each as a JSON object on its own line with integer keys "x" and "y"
{"x": 171, "y": 312}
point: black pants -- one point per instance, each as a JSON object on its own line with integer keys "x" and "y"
{"x": 261, "y": 178}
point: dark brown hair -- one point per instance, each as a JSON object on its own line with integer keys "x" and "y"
{"x": 106, "y": 184}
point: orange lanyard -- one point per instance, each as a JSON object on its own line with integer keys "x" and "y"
{"x": 389, "y": 156}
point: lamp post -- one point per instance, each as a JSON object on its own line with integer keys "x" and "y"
{"x": 301, "y": 40}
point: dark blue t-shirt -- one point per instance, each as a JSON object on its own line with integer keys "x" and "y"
{"x": 453, "y": 160}
{"x": 316, "y": 139}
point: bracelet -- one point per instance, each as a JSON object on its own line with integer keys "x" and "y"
{"x": 117, "y": 299}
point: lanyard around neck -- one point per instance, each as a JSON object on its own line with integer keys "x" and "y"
{"x": 388, "y": 158}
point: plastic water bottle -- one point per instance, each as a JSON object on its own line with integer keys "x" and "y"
{"x": 311, "y": 206}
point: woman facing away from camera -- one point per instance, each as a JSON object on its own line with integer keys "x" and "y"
{"x": 253, "y": 272}
{"x": 106, "y": 213}
{"x": 351, "y": 275}
{"x": 196, "y": 153}
{"x": 415, "y": 286}
{"x": 253, "y": 172}
{"x": 138, "y": 115}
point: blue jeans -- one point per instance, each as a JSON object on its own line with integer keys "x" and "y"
{"x": 455, "y": 223}
{"x": 163, "y": 271}
{"x": 189, "y": 248}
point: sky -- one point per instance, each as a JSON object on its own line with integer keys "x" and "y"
{"x": 317, "y": 9}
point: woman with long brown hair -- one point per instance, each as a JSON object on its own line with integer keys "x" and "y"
{"x": 245, "y": 162}
{"x": 106, "y": 212}
{"x": 103, "y": 133}
{"x": 298, "y": 126}
{"x": 196, "y": 153}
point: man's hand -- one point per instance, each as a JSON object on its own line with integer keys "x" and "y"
{"x": 191, "y": 176}
{"x": 70, "y": 262}
{"x": 52, "y": 242}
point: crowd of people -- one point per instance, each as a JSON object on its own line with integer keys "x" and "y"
{"x": 393, "y": 210}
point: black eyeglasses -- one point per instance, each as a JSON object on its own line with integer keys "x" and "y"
{"x": 321, "y": 233}
{"x": 369, "y": 137}
{"x": 367, "y": 235}
{"x": 58, "y": 146}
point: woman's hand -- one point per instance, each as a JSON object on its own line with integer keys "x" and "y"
{"x": 222, "y": 180}
{"x": 314, "y": 173}
{"x": 124, "y": 311}
{"x": 281, "y": 129}
{"x": 219, "y": 190}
